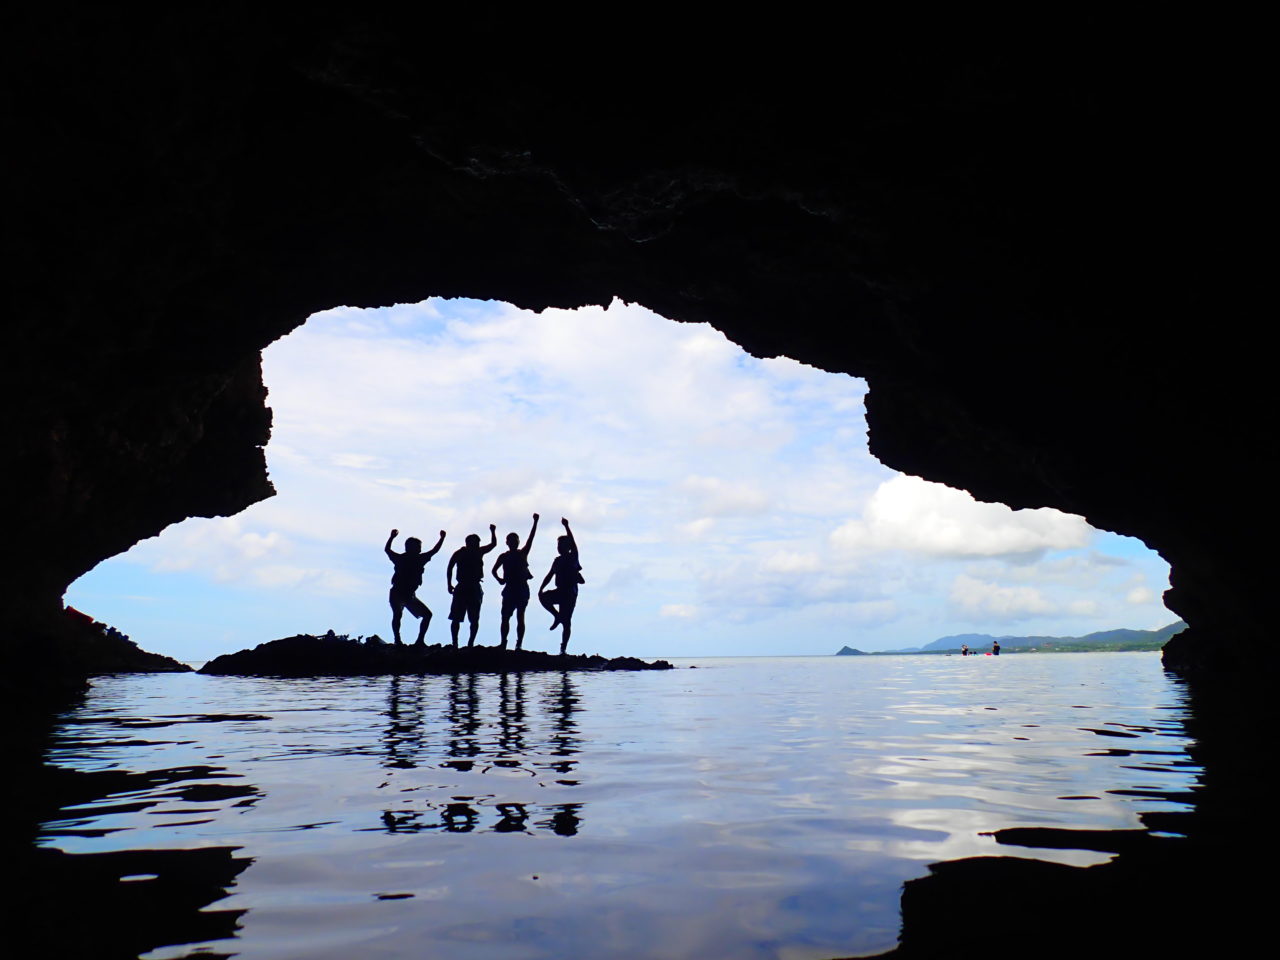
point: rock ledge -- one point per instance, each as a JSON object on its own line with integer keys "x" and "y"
{"x": 305, "y": 655}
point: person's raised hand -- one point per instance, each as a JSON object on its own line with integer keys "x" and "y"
{"x": 564, "y": 521}
{"x": 441, "y": 534}
{"x": 535, "y": 516}
{"x": 493, "y": 528}
{"x": 395, "y": 533}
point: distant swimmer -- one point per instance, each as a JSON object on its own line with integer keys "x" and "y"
{"x": 511, "y": 570}
{"x": 964, "y": 649}
{"x": 568, "y": 573}
{"x": 995, "y": 648}
{"x": 468, "y": 560}
{"x": 406, "y": 581}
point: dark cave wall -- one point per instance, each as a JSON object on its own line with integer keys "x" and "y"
{"x": 1006, "y": 239}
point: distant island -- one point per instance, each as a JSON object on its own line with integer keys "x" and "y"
{"x": 1102, "y": 641}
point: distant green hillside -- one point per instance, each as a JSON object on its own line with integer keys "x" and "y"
{"x": 1104, "y": 640}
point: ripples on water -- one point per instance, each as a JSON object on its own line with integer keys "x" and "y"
{"x": 761, "y": 807}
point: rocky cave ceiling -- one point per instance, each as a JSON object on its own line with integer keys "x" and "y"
{"x": 1014, "y": 231}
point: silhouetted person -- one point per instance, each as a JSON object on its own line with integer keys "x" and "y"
{"x": 995, "y": 648}
{"x": 964, "y": 649}
{"x": 468, "y": 560}
{"x": 568, "y": 573}
{"x": 511, "y": 570}
{"x": 406, "y": 580}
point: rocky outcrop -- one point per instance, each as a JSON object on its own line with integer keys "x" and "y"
{"x": 50, "y": 664}
{"x": 332, "y": 655}
{"x": 1015, "y": 243}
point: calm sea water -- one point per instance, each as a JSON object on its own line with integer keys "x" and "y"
{"x": 751, "y": 808}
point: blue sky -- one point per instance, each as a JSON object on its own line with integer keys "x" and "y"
{"x": 724, "y": 505}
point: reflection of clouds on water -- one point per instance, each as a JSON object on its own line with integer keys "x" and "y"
{"x": 748, "y": 808}
{"x": 491, "y": 747}
{"x": 117, "y": 847}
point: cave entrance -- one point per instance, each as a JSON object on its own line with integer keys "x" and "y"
{"x": 725, "y": 505}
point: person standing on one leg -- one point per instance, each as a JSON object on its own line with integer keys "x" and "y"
{"x": 468, "y": 560}
{"x": 568, "y": 573}
{"x": 406, "y": 581}
{"x": 511, "y": 570}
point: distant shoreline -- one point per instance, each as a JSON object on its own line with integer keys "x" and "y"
{"x": 1103, "y": 641}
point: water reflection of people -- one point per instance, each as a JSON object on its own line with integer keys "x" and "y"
{"x": 564, "y": 819}
{"x": 567, "y": 571}
{"x": 403, "y": 738}
{"x": 511, "y": 570}
{"x": 463, "y": 712}
{"x": 512, "y": 817}
{"x": 459, "y": 817}
{"x": 511, "y": 725}
{"x": 406, "y": 581}
{"x": 563, "y": 704}
{"x": 543, "y": 742}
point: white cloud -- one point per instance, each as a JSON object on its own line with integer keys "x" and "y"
{"x": 975, "y": 597}
{"x": 314, "y": 580}
{"x": 720, "y": 498}
{"x": 1140, "y": 595}
{"x": 914, "y": 515}
{"x": 220, "y": 543}
{"x": 789, "y": 561}
{"x": 358, "y": 461}
{"x": 697, "y": 529}
{"x": 678, "y": 611}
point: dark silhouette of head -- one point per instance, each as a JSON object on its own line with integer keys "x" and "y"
{"x": 564, "y": 544}
{"x": 513, "y": 540}
{"x": 473, "y": 540}
{"x": 412, "y": 545}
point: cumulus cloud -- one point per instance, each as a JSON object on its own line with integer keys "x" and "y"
{"x": 223, "y": 544}
{"x": 978, "y": 598}
{"x": 914, "y": 515}
{"x": 1140, "y": 595}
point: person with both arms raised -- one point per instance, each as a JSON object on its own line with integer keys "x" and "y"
{"x": 468, "y": 560}
{"x": 406, "y": 580}
{"x": 511, "y": 570}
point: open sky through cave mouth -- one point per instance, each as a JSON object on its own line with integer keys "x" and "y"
{"x": 723, "y": 504}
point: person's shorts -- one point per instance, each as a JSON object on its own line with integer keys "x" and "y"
{"x": 515, "y": 596}
{"x": 402, "y": 600}
{"x": 466, "y": 602}
{"x": 564, "y": 600}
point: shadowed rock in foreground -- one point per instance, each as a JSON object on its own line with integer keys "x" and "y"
{"x": 308, "y": 656}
